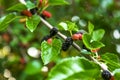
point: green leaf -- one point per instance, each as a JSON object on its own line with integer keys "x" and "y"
{"x": 116, "y": 73}
{"x": 63, "y": 26}
{"x": 112, "y": 60}
{"x": 98, "y": 35}
{"x": 32, "y": 22}
{"x": 68, "y": 26}
{"x": 30, "y": 5}
{"x": 4, "y": 21}
{"x": 90, "y": 44}
{"x": 90, "y": 27}
{"x": 74, "y": 68}
{"x": 57, "y": 2}
{"x": 18, "y": 7}
{"x": 33, "y": 67}
{"x": 50, "y": 51}
{"x": 71, "y": 26}
{"x": 86, "y": 40}
{"x": 96, "y": 45}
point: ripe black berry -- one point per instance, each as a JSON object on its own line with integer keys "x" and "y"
{"x": 106, "y": 75}
{"x": 45, "y": 38}
{"x": 34, "y": 10}
{"x": 68, "y": 42}
{"x": 53, "y": 32}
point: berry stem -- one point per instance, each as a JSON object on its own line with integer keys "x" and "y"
{"x": 70, "y": 32}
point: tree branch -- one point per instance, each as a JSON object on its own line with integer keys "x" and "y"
{"x": 74, "y": 44}
{"x": 59, "y": 33}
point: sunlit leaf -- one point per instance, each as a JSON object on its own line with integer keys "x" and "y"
{"x": 112, "y": 60}
{"x": 30, "y": 5}
{"x": 96, "y": 45}
{"x": 90, "y": 44}
{"x": 63, "y": 26}
{"x": 90, "y": 27}
{"x": 32, "y": 22}
{"x": 4, "y": 21}
{"x": 71, "y": 26}
{"x": 98, "y": 35}
{"x": 74, "y": 68}
{"x": 50, "y": 51}
{"x": 18, "y": 7}
{"x": 86, "y": 40}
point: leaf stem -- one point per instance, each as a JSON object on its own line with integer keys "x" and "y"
{"x": 70, "y": 33}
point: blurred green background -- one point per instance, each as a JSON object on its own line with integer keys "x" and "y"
{"x": 17, "y": 43}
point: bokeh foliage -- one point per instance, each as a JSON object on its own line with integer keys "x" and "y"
{"x": 103, "y": 14}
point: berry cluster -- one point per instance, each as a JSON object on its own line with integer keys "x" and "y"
{"x": 68, "y": 42}
{"x": 48, "y": 38}
{"x": 44, "y": 13}
{"x": 106, "y": 75}
{"x": 53, "y": 32}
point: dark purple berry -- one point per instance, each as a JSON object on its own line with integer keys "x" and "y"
{"x": 68, "y": 42}
{"x": 53, "y": 32}
{"x": 106, "y": 75}
{"x": 34, "y": 10}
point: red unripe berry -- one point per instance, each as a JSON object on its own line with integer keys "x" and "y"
{"x": 75, "y": 36}
{"x": 95, "y": 50}
{"x": 22, "y": 61}
{"x": 49, "y": 41}
{"x": 80, "y": 36}
{"x": 40, "y": 1}
{"x": 46, "y": 14}
{"x": 27, "y": 13}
